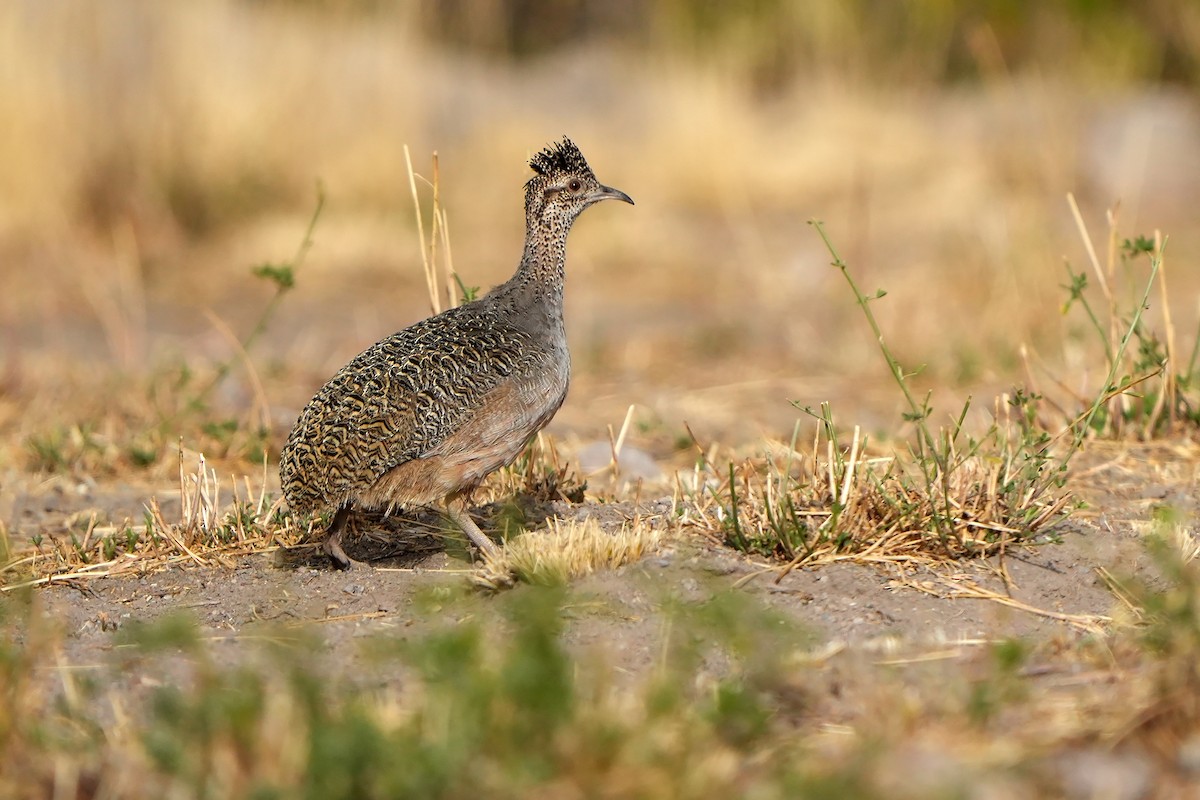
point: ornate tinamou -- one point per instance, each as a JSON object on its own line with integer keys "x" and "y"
{"x": 425, "y": 414}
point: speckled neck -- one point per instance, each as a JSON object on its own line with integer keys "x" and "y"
{"x": 538, "y": 282}
{"x": 543, "y": 263}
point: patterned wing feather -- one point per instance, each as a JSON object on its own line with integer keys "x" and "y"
{"x": 395, "y": 402}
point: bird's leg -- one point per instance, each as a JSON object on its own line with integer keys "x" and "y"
{"x": 456, "y": 510}
{"x": 333, "y": 539}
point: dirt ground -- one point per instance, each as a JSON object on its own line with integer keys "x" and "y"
{"x": 862, "y": 645}
{"x": 859, "y": 607}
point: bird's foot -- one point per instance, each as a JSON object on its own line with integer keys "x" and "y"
{"x": 337, "y": 556}
{"x": 486, "y": 546}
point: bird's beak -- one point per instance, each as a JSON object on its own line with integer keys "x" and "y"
{"x": 609, "y": 193}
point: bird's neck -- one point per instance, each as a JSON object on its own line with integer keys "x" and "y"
{"x": 540, "y": 275}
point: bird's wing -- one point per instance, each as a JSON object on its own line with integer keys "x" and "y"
{"x": 396, "y": 402}
{"x": 343, "y": 434}
{"x": 439, "y": 379}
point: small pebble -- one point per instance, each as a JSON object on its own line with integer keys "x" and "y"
{"x": 633, "y": 463}
{"x": 1101, "y": 773}
{"x": 1189, "y": 754}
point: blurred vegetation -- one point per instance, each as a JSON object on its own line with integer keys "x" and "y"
{"x": 764, "y": 45}
{"x": 491, "y": 699}
{"x": 452, "y": 712}
{"x": 772, "y": 43}
{"x": 193, "y": 170}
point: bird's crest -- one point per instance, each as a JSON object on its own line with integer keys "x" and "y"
{"x": 560, "y": 157}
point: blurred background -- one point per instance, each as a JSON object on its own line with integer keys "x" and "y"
{"x": 151, "y": 154}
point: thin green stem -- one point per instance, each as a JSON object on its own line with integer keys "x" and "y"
{"x": 735, "y": 515}
{"x": 1191, "y": 367}
{"x": 1102, "y": 397}
{"x": 281, "y": 289}
{"x": 301, "y": 253}
{"x": 926, "y": 443}
{"x": 1078, "y": 284}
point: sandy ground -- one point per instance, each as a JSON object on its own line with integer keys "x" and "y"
{"x": 869, "y": 608}
{"x": 855, "y": 640}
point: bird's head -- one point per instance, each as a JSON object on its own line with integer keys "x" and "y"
{"x": 563, "y": 186}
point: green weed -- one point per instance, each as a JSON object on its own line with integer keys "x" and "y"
{"x": 1150, "y": 387}
{"x": 1002, "y": 685}
{"x": 951, "y": 495}
{"x": 66, "y": 449}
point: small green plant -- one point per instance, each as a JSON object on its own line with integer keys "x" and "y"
{"x": 952, "y": 494}
{"x": 63, "y": 449}
{"x": 1149, "y": 387}
{"x": 1002, "y": 684}
{"x": 469, "y": 293}
{"x": 477, "y": 715}
{"x": 283, "y": 278}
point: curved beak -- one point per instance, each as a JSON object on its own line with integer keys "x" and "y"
{"x": 608, "y": 193}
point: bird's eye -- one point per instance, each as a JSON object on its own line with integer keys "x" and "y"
{"x": 575, "y": 186}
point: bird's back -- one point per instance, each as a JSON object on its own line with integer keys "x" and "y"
{"x": 407, "y": 396}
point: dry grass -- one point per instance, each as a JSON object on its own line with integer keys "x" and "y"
{"x": 950, "y": 495}
{"x": 207, "y": 533}
{"x": 565, "y": 550}
{"x": 828, "y": 505}
{"x": 212, "y": 531}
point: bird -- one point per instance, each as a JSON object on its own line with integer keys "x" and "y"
{"x": 421, "y": 417}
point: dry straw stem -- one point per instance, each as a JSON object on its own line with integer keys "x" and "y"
{"x": 565, "y": 550}
{"x": 1130, "y": 611}
{"x": 1091, "y": 251}
{"x": 959, "y": 587}
{"x": 616, "y": 441}
{"x": 430, "y": 273}
{"x": 439, "y": 234}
